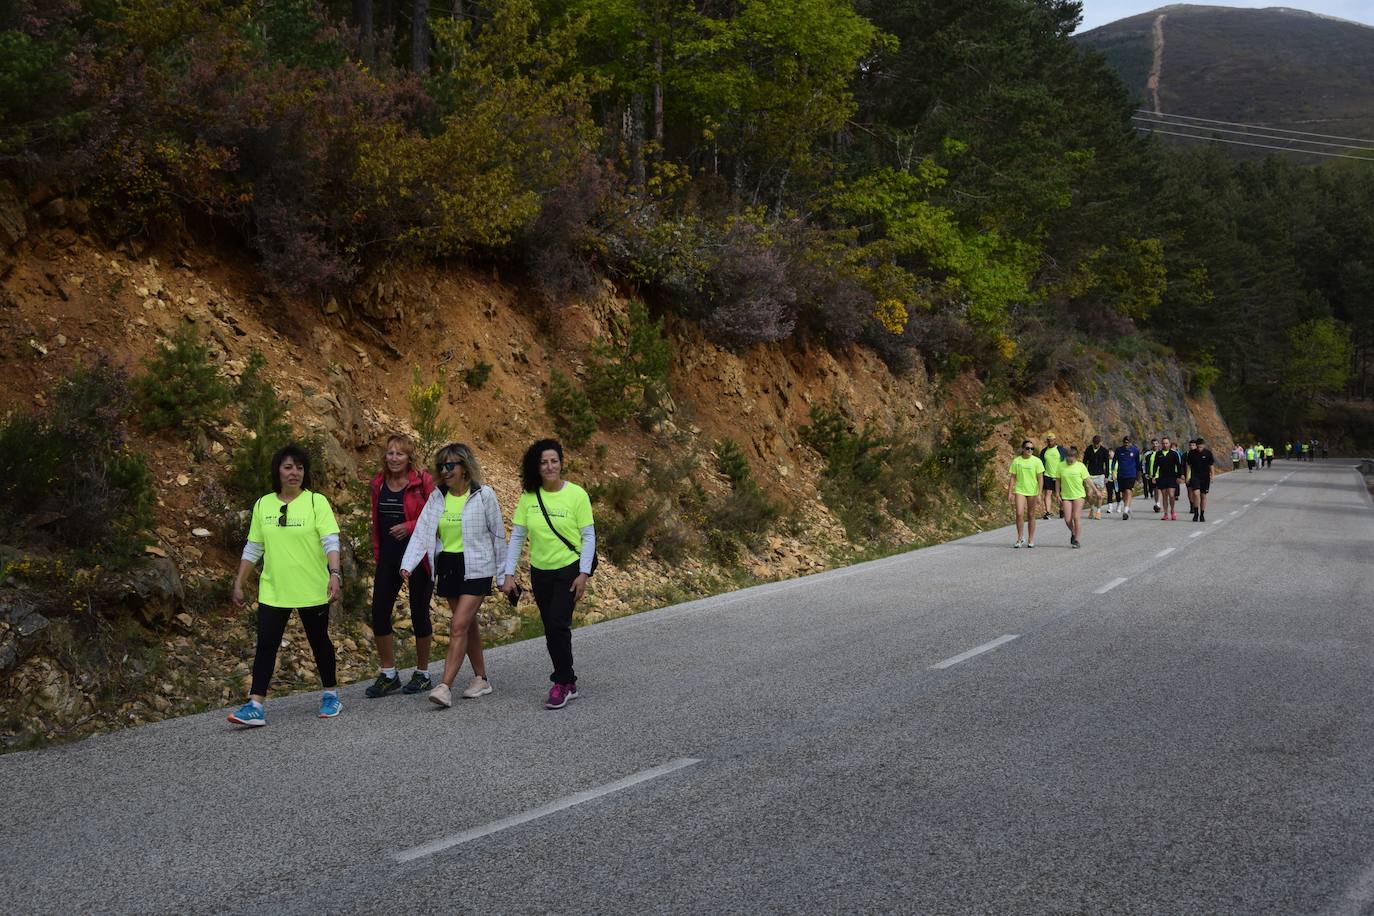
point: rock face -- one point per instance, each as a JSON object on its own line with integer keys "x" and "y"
{"x": 22, "y": 632}
{"x": 13, "y": 225}
{"x": 153, "y": 591}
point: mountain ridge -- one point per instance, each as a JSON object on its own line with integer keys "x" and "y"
{"x": 1274, "y": 67}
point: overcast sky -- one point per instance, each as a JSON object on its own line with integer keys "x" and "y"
{"x": 1101, "y": 12}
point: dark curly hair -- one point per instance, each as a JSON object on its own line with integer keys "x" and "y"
{"x": 290, "y": 450}
{"x": 529, "y": 465}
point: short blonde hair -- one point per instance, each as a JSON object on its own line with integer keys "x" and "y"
{"x": 405, "y": 445}
{"x": 458, "y": 451}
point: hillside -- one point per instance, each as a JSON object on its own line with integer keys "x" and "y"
{"x": 1273, "y": 67}
{"x": 69, "y": 299}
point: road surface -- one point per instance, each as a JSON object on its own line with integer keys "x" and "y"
{"x": 1174, "y": 719}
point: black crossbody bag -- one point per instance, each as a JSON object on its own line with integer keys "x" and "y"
{"x": 596, "y": 560}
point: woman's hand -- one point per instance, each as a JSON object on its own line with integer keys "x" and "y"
{"x": 399, "y": 532}
{"x": 579, "y": 585}
{"x": 238, "y": 593}
{"x": 405, "y": 574}
{"x": 508, "y": 586}
{"x": 335, "y": 588}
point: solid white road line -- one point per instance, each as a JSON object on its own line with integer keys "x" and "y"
{"x": 1110, "y": 585}
{"x": 1197, "y": 534}
{"x": 1163, "y": 553}
{"x": 562, "y": 804}
{"x": 977, "y": 650}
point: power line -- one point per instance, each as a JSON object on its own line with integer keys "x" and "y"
{"x": 1243, "y": 133}
{"x": 1279, "y": 130}
{"x": 1282, "y": 149}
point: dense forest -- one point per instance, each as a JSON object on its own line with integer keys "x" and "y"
{"x": 949, "y": 178}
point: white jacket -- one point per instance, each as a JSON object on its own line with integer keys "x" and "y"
{"x": 484, "y": 534}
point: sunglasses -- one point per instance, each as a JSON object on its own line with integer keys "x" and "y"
{"x": 450, "y": 465}
{"x": 281, "y": 519}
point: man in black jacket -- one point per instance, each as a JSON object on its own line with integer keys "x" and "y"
{"x": 1095, "y": 459}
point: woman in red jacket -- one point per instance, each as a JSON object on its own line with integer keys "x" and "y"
{"x": 399, "y": 493}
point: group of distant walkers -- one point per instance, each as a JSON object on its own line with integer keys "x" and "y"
{"x": 1262, "y": 456}
{"x": 446, "y": 537}
{"x": 1104, "y": 479}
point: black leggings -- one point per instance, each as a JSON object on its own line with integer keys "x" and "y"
{"x": 552, "y": 593}
{"x": 386, "y": 585}
{"x": 271, "y": 628}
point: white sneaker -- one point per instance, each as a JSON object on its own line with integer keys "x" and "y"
{"x": 479, "y": 687}
{"x": 441, "y": 695}
{"x": 1019, "y": 542}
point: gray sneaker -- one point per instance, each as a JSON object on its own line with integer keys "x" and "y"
{"x": 479, "y": 687}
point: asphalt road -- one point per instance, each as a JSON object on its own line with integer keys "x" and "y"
{"x": 1181, "y": 725}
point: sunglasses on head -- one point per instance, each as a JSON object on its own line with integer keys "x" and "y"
{"x": 450, "y": 465}
{"x": 281, "y": 519}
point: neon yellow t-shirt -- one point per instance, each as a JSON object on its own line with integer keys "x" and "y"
{"x": 1053, "y": 462}
{"x": 1027, "y": 471}
{"x": 1249, "y": 454}
{"x": 1268, "y": 451}
{"x": 1072, "y": 478}
{"x": 295, "y": 572}
{"x": 569, "y": 509}
{"x": 451, "y": 523}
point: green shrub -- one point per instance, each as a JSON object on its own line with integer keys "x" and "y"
{"x": 629, "y": 369}
{"x": 671, "y": 543}
{"x": 425, "y": 401}
{"x": 962, "y": 455}
{"x": 852, "y": 455}
{"x": 570, "y": 410}
{"x": 1203, "y": 375}
{"x": 732, "y": 462}
{"x": 180, "y": 387}
{"x": 476, "y": 375}
{"x": 263, "y": 415}
{"x": 631, "y": 517}
{"x": 746, "y": 512}
{"x": 67, "y": 474}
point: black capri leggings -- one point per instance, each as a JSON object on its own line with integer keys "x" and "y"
{"x": 552, "y": 593}
{"x": 272, "y": 626}
{"x": 386, "y": 585}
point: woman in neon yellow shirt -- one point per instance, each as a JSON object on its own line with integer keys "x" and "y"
{"x": 1074, "y": 484}
{"x": 461, "y": 532}
{"x": 1024, "y": 484}
{"x": 557, "y": 516}
{"x": 294, "y": 533}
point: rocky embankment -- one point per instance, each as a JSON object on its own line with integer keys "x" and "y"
{"x": 168, "y": 641}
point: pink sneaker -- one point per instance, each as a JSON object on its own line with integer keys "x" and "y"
{"x": 560, "y": 694}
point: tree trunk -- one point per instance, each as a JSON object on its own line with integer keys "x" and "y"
{"x": 419, "y": 37}
{"x": 459, "y": 13}
{"x": 634, "y": 137}
{"x": 362, "y": 18}
{"x": 658, "y": 97}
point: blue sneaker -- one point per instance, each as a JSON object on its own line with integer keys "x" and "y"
{"x": 248, "y": 714}
{"x": 330, "y": 706}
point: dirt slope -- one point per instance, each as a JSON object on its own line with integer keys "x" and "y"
{"x": 345, "y": 368}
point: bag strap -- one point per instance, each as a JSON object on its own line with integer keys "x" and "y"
{"x": 549, "y": 522}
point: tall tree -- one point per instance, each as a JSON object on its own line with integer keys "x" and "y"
{"x": 419, "y": 37}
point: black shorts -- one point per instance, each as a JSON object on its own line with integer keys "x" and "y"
{"x": 1167, "y": 483}
{"x": 1125, "y": 484}
{"x": 1051, "y": 485}
{"x": 1201, "y": 484}
{"x": 451, "y": 583}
